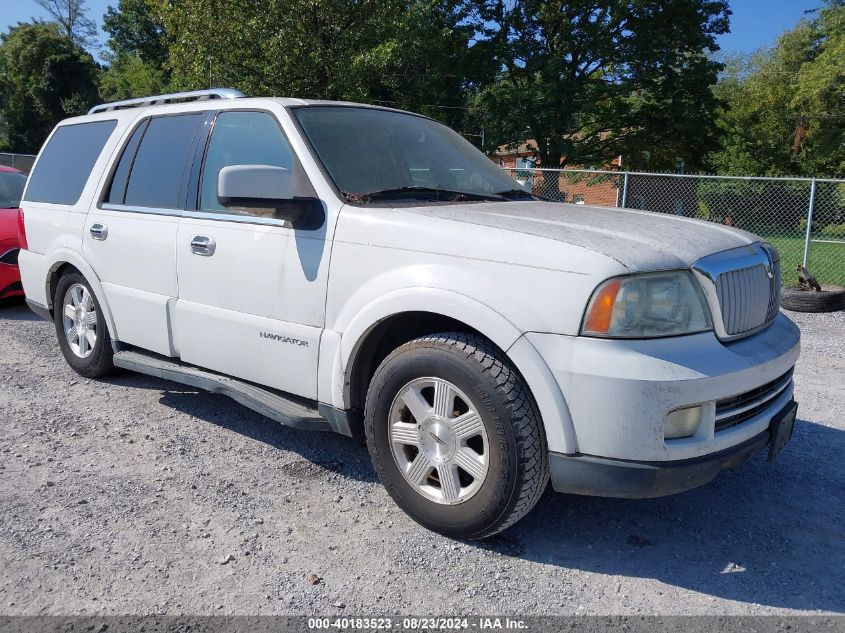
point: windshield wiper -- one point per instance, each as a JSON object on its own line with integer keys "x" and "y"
{"x": 399, "y": 192}
{"x": 514, "y": 194}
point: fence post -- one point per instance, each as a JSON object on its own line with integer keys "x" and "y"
{"x": 625, "y": 190}
{"x": 809, "y": 222}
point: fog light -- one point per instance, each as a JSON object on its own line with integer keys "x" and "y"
{"x": 682, "y": 423}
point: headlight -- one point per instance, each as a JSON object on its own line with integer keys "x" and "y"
{"x": 646, "y": 306}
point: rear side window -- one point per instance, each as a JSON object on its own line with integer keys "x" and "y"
{"x": 117, "y": 191}
{"x": 66, "y": 162}
{"x": 156, "y": 174}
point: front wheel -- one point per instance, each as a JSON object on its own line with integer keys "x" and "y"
{"x": 80, "y": 327}
{"x": 455, "y": 435}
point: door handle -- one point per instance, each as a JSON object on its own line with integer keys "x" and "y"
{"x": 99, "y": 231}
{"x": 202, "y": 245}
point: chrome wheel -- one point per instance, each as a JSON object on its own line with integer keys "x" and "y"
{"x": 438, "y": 440}
{"x": 79, "y": 318}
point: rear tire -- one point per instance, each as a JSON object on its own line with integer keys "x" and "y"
{"x": 466, "y": 464}
{"x": 80, "y": 327}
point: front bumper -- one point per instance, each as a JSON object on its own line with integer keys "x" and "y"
{"x": 604, "y": 477}
{"x": 619, "y": 392}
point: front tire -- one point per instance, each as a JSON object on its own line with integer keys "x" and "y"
{"x": 455, "y": 436}
{"x": 80, "y": 327}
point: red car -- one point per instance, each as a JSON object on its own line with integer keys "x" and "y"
{"x": 12, "y": 182}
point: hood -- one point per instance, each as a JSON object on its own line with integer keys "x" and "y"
{"x": 639, "y": 240}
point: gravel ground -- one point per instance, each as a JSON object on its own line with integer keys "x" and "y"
{"x": 133, "y": 495}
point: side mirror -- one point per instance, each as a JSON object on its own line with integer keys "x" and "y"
{"x": 268, "y": 187}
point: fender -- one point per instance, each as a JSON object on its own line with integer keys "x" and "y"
{"x": 66, "y": 256}
{"x": 550, "y": 400}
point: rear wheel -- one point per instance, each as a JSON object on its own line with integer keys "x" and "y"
{"x": 455, "y": 436}
{"x": 80, "y": 327}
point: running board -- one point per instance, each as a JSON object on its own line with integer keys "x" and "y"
{"x": 268, "y": 403}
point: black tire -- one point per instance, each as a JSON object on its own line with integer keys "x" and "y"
{"x": 802, "y": 299}
{"x": 99, "y": 361}
{"x": 518, "y": 469}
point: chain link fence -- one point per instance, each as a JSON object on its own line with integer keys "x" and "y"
{"x": 803, "y": 217}
{"x": 22, "y": 162}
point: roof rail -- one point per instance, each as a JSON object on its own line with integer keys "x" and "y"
{"x": 194, "y": 95}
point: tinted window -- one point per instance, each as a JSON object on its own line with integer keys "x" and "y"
{"x": 117, "y": 191}
{"x": 11, "y": 188}
{"x": 66, "y": 162}
{"x": 242, "y": 138}
{"x": 156, "y": 176}
{"x": 368, "y": 150}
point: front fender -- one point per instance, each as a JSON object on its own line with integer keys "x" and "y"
{"x": 481, "y": 317}
{"x": 443, "y": 302}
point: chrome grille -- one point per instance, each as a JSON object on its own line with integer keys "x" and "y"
{"x": 740, "y": 408}
{"x": 743, "y": 288}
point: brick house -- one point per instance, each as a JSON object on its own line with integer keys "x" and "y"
{"x": 578, "y": 188}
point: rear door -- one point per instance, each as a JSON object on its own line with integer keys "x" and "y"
{"x": 130, "y": 238}
{"x": 251, "y": 287}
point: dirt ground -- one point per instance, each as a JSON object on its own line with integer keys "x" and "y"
{"x": 132, "y": 495}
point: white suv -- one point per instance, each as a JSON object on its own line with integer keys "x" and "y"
{"x": 367, "y": 271}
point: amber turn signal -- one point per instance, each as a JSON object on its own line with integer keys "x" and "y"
{"x": 600, "y": 312}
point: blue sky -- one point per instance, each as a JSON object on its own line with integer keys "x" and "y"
{"x": 758, "y": 23}
{"x": 14, "y": 11}
{"x": 754, "y": 23}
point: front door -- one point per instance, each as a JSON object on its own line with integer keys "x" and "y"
{"x": 251, "y": 288}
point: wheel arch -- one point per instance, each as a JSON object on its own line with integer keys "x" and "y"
{"x": 65, "y": 261}
{"x": 401, "y": 316}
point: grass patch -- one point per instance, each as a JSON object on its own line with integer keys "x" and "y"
{"x": 827, "y": 261}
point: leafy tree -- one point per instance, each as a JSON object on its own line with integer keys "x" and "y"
{"x": 44, "y": 77}
{"x": 587, "y": 79}
{"x": 72, "y": 18}
{"x": 137, "y": 52}
{"x": 128, "y": 76}
{"x": 405, "y": 53}
{"x": 819, "y": 97}
{"x": 134, "y": 30}
{"x": 758, "y": 122}
{"x": 783, "y": 112}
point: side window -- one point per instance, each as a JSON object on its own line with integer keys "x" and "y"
{"x": 117, "y": 190}
{"x": 156, "y": 175}
{"x": 242, "y": 138}
{"x": 66, "y": 162}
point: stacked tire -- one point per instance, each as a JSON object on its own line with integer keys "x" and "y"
{"x": 803, "y": 299}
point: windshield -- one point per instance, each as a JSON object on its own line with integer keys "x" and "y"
{"x": 369, "y": 151}
{"x": 11, "y": 189}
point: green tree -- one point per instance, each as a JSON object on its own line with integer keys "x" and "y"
{"x": 783, "y": 108}
{"x": 134, "y": 30}
{"x": 44, "y": 77}
{"x": 137, "y": 54}
{"x": 588, "y": 79}
{"x": 819, "y": 97}
{"x": 405, "y": 53}
{"x": 128, "y": 76}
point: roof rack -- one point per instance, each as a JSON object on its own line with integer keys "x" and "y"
{"x": 194, "y": 95}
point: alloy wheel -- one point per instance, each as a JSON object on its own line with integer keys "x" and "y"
{"x": 438, "y": 440}
{"x": 79, "y": 318}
